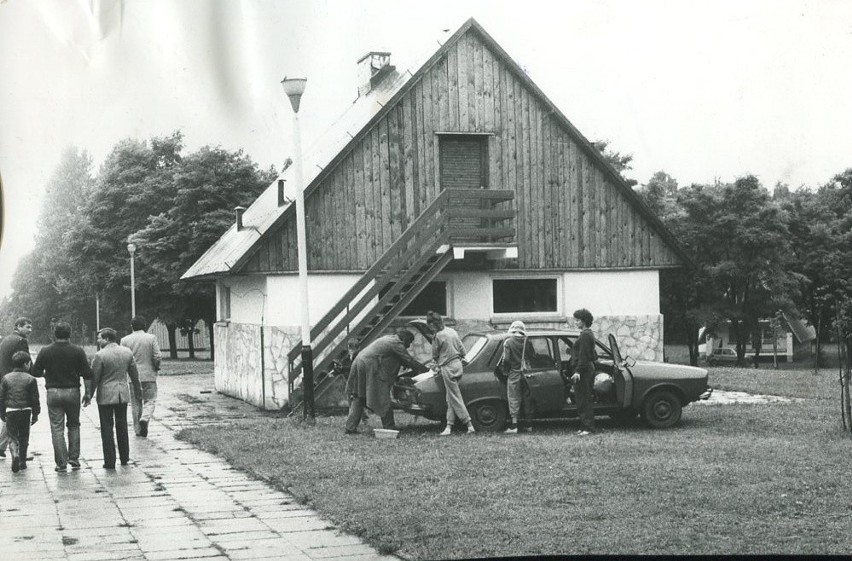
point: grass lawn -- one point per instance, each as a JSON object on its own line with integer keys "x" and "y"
{"x": 749, "y": 479}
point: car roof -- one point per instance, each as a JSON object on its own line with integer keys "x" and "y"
{"x": 495, "y": 334}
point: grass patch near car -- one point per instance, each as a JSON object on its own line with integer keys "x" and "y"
{"x": 751, "y": 479}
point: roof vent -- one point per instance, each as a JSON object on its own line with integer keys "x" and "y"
{"x": 372, "y": 67}
{"x": 238, "y": 212}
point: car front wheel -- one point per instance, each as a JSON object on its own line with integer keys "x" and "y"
{"x": 661, "y": 409}
{"x": 488, "y": 416}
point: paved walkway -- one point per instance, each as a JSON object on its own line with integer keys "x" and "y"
{"x": 172, "y": 502}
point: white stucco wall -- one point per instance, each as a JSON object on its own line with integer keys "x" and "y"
{"x": 324, "y": 290}
{"x": 610, "y": 293}
{"x": 604, "y": 293}
{"x": 248, "y": 298}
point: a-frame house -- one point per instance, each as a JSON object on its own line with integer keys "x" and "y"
{"x": 454, "y": 185}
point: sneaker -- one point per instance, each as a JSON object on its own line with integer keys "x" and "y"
{"x": 470, "y": 429}
{"x": 59, "y": 468}
{"x": 16, "y": 464}
{"x": 74, "y": 464}
{"x": 511, "y": 430}
{"x": 446, "y": 432}
{"x": 582, "y": 433}
{"x": 143, "y": 429}
{"x": 527, "y": 429}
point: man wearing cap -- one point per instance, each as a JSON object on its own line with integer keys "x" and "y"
{"x": 515, "y": 348}
{"x": 373, "y": 374}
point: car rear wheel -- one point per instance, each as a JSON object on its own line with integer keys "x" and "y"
{"x": 488, "y": 416}
{"x": 661, "y": 409}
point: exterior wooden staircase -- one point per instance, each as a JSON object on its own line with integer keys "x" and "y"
{"x": 457, "y": 216}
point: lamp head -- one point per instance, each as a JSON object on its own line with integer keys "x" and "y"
{"x": 294, "y": 88}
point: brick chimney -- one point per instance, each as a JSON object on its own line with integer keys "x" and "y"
{"x": 372, "y": 67}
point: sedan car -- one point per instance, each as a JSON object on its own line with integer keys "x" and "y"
{"x": 624, "y": 387}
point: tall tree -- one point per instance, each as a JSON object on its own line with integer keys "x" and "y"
{"x": 207, "y": 186}
{"x": 46, "y": 285}
{"x": 134, "y": 182}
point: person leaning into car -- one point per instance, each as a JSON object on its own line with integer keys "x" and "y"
{"x": 373, "y": 374}
{"x": 447, "y": 352}
{"x": 583, "y": 357}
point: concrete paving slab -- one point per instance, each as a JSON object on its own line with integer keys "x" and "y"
{"x": 172, "y": 502}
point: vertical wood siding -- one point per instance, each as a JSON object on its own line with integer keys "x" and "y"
{"x": 569, "y": 213}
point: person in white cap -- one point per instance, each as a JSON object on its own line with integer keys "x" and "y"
{"x": 515, "y": 347}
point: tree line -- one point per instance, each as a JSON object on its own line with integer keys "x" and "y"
{"x": 172, "y": 205}
{"x": 754, "y": 253}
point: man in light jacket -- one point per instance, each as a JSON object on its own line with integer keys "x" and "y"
{"x": 146, "y": 353}
{"x": 110, "y": 369}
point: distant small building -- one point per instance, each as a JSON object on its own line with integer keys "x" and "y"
{"x": 794, "y": 339}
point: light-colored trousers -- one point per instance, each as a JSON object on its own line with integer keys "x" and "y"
{"x": 143, "y": 405}
{"x": 451, "y": 373}
{"x": 514, "y": 392}
{"x": 4, "y": 437}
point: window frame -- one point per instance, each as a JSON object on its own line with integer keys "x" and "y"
{"x": 545, "y": 315}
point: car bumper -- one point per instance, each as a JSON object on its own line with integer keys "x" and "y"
{"x": 413, "y": 408}
{"x": 706, "y": 395}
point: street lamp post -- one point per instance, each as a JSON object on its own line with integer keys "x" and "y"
{"x": 294, "y": 88}
{"x": 131, "y": 248}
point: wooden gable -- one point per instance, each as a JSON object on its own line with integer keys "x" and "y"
{"x": 573, "y": 210}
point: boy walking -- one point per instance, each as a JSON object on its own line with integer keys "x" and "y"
{"x": 19, "y": 407}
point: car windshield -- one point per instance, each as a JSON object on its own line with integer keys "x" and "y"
{"x": 474, "y": 344}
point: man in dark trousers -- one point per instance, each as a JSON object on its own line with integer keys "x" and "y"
{"x": 12, "y": 343}
{"x": 111, "y": 368}
{"x": 584, "y": 357}
{"x": 373, "y": 374}
{"x": 62, "y": 364}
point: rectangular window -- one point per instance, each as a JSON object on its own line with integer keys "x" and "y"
{"x": 225, "y": 303}
{"x": 513, "y": 296}
{"x": 433, "y": 297}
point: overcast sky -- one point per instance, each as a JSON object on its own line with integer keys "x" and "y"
{"x": 703, "y": 90}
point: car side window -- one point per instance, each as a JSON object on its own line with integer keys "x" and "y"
{"x": 542, "y": 356}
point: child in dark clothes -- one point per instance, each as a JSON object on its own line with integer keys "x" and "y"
{"x": 19, "y": 407}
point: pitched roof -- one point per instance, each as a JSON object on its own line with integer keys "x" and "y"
{"x": 803, "y": 333}
{"x": 262, "y": 218}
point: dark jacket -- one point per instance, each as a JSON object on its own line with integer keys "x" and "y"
{"x": 62, "y": 365}
{"x": 584, "y": 354}
{"x": 19, "y": 390}
{"x": 11, "y": 344}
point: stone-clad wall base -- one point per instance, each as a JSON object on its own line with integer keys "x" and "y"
{"x": 640, "y": 337}
{"x": 237, "y": 364}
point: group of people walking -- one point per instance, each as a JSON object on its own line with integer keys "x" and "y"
{"x": 120, "y": 373}
{"x": 373, "y": 372}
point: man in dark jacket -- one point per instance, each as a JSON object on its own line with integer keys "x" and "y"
{"x": 373, "y": 374}
{"x": 62, "y": 365}
{"x": 583, "y": 358}
{"x": 19, "y": 407}
{"x": 12, "y": 343}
